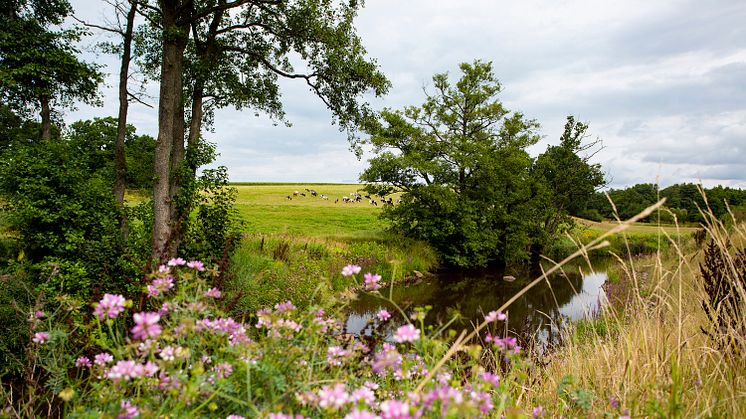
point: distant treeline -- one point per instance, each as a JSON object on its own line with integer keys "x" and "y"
{"x": 683, "y": 201}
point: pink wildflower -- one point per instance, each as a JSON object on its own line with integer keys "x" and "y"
{"x": 196, "y": 264}
{"x": 110, "y": 306}
{"x": 335, "y": 355}
{"x": 146, "y": 325}
{"x": 395, "y": 409}
{"x": 39, "y": 314}
{"x": 537, "y": 411}
{"x": 168, "y": 353}
{"x": 223, "y": 370}
{"x": 361, "y": 414}
{"x": 333, "y": 397}
{"x": 371, "y": 281}
{"x": 125, "y": 370}
{"x": 165, "y": 308}
{"x": 149, "y": 369}
{"x": 176, "y": 262}
{"x": 83, "y": 361}
{"x": 234, "y": 417}
{"x": 491, "y": 378}
{"x": 350, "y": 270}
{"x": 102, "y": 358}
{"x": 286, "y": 306}
{"x": 383, "y": 315}
{"x": 363, "y": 394}
{"x": 40, "y": 338}
{"x": 407, "y": 333}
{"x": 129, "y": 411}
{"x": 160, "y": 285}
{"x": 163, "y": 269}
{"x": 494, "y": 316}
{"x": 213, "y": 293}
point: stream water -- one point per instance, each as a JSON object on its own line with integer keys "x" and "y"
{"x": 538, "y": 317}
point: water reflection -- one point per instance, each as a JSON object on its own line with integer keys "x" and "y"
{"x": 539, "y": 315}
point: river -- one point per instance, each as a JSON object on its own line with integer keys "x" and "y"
{"x": 537, "y": 318}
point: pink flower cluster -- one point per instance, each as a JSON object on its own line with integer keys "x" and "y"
{"x": 146, "y": 325}
{"x": 40, "y": 338}
{"x": 505, "y": 344}
{"x": 128, "y": 369}
{"x": 213, "y": 293}
{"x": 110, "y": 306}
{"x": 335, "y": 355}
{"x": 160, "y": 285}
{"x": 371, "y": 281}
{"x": 236, "y": 331}
{"x": 494, "y": 316}
{"x": 350, "y": 270}
{"x": 407, "y": 333}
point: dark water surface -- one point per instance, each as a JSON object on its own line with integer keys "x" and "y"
{"x": 538, "y": 316}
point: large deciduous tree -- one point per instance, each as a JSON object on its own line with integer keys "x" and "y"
{"x": 461, "y": 161}
{"x": 469, "y": 186}
{"x": 232, "y": 53}
{"x": 39, "y": 68}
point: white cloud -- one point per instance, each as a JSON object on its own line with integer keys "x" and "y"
{"x": 661, "y": 83}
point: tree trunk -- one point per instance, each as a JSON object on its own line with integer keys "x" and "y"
{"x": 195, "y": 126}
{"x": 120, "y": 162}
{"x": 46, "y": 118}
{"x": 170, "y": 131}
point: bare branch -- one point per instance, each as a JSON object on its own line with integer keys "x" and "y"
{"x": 138, "y": 100}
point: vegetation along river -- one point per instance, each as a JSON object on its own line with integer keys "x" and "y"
{"x": 537, "y": 319}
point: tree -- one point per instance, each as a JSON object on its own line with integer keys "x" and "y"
{"x": 242, "y": 47}
{"x": 563, "y": 181}
{"x": 460, "y": 160}
{"x": 39, "y": 68}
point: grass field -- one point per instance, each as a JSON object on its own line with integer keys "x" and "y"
{"x": 639, "y": 228}
{"x": 266, "y": 210}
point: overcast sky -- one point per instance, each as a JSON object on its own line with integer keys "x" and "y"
{"x": 661, "y": 83}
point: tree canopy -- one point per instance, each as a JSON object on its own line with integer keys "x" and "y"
{"x": 470, "y": 187}
{"x": 39, "y": 67}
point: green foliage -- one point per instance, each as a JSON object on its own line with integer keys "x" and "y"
{"x": 470, "y": 188}
{"x": 683, "y": 202}
{"x": 206, "y": 202}
{"x": 39, "y": 64}
{"x": 60, "y": 205}
{"x": 95, "y": 138}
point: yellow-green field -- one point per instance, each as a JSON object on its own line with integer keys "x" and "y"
{"x": 639, "y": 228}
{"x": 265, "y": 208}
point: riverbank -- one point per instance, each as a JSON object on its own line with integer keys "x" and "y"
{"x": 648, "y": 354}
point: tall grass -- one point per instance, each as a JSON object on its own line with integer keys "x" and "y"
{"x": 266, "y": 269}
{"x": 664, "y": 356}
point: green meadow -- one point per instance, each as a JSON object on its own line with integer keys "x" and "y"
{"x": 266, "y": 209}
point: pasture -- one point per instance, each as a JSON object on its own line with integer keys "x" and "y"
{"x": 266, "y": 209}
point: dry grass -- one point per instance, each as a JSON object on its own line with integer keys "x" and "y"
{"x": 660, "y": 363}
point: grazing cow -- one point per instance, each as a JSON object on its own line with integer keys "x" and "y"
{"x": 312, "y": 192}
{"x": 290, "y": 198}
{"x": 302, "y": 194}
{"x": 295, "y": 193}
{"x": 336, "y": 200}
{"x": 324, "y": 197}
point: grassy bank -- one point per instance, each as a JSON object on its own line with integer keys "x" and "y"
{"x": 648, "y": 354}
{"x": 288, "y": 241}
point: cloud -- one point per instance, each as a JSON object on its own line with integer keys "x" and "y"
{"x": 661, "y": 83}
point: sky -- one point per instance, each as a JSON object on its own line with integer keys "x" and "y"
{"x": 661, "y": 83}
